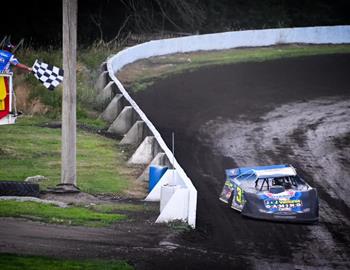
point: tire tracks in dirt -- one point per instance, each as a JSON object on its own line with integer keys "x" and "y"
{"x": 283, "y": 111}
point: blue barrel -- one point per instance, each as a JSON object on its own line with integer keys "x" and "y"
{"x": 155, "y": 173}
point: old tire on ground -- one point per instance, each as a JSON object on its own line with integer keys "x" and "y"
{"x": 13, "y": 188}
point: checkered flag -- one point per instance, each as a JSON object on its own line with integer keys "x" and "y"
{"x": 49, "y": 75}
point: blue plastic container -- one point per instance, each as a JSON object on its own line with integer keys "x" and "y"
{"x": 155, "y": 173}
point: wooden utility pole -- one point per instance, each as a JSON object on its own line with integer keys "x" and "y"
{"x": 68, "y": 169}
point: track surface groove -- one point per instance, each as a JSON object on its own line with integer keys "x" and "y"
{"x": 283, "y": 111}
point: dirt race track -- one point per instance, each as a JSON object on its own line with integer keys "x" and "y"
{"x": 293, "y": 111}
{"x": 282, "y": 111}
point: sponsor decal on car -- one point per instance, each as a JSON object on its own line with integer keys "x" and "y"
{"x": 283, "y": 204}
{"x": 283, "y": 195}
{"x": 226, "y": 191}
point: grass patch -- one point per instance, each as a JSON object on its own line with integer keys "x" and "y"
{"x": 53, "y": 214}
{"x": 265, "y": 53}
{"x": 111, "y": 208}
{"x": 179, "y": 226}
{"x": 142, "y": 84}
{"x": 92, "y": 123}
{"x": 17, "y": 262}
{"x": 27, "y": 149}
{"x": 164, "y": 66}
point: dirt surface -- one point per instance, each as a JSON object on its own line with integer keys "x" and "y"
{"x": 282, "y": 111}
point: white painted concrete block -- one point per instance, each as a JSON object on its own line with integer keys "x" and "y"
{"x": 106, "y": 95}
{"x": 147, "y": 150}
{"x": 175, "y": 207}
{"x": 123, "y": 122}
{"x": 135, "y": 135}
{"x": 166, "y": 192}
{"x": 103, "y": 66}
{"x": 113, "y": 109}
{"x": 102, "y": 81}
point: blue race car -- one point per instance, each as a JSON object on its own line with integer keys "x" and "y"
{"x": 270, "y": 192}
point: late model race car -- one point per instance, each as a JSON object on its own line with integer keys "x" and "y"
{"x": 270, "y": 192}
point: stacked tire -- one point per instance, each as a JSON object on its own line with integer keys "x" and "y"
{"x": 14, "y": 188}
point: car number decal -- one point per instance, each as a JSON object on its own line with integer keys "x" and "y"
{"x": 239, "y": 193}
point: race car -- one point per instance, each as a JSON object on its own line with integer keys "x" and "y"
{"x": 272, "y": 193}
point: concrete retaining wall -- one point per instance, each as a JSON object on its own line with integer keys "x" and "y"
{"x": 228, "y": 40}
{"x": 179, "y": 199}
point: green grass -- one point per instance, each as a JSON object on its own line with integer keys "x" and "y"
{"x": 27, "y": 149}
{"x": 53, "y": 214}
{"x": 17, "y": 262}
{"x": 93, "y": 123}
{"x": 266, "y": 53}
{"x": 111, "y": 208}
{"x": 143, "y": 83}
{"x": 178, "y": 63}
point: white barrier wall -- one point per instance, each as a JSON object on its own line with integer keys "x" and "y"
{"x": 228, "y": 40}
{"x": 219, "y": 41}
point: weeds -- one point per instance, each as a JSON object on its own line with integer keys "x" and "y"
{"x": 88, "y": 69}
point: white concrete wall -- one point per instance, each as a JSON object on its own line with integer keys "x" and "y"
{"x": 219, "y": 41}
{"x": 228, "y": 40}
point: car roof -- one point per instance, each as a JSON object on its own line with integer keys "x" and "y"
{"x": 263, "y": 171}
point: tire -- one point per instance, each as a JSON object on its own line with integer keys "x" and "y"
{"x": 13, "y": 188}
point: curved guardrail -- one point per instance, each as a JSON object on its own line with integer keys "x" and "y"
{"x": 218, "y": 41}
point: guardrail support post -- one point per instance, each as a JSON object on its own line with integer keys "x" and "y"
{"x": 113, "y": 109}
{"x": 136, "y": 134}
{"x": 106, "y": 95}
{"x": 103, "y": 67}
{"x": 102, "y": 81}
{"x": 123, "y": 122}
{"x": 173, "y": 204}
{"x": 147, "y": 150}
